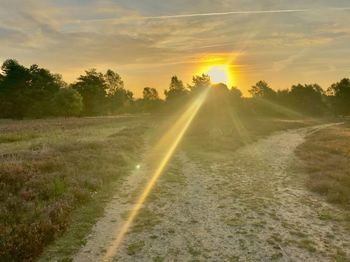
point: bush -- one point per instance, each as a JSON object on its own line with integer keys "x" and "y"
{"x": 40, "y": 188}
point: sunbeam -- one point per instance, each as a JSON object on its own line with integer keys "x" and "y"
{"x": 237, "y": 123}
{"x": 168, "y": 143}
{"x": 279, "y": 108}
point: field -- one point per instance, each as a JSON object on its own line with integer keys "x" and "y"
{"x": 59, "y": 176}
{"x": 326, "y": 156}
{"x": 49, "y": 168}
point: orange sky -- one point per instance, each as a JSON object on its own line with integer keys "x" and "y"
{"x": 148, "y": 41}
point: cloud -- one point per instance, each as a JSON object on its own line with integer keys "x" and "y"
{"x": 287, "y": 62}
{"x": 135, "y": 36}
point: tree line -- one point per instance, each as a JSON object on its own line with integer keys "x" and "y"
{"x": 35, "y": 92}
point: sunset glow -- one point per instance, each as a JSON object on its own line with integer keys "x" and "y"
{"x": 219, "y": 73}
{"x": 155, "y": 38}
{"x": 178, "y": 130}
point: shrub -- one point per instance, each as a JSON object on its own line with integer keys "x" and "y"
{"x": 40, "y": 188}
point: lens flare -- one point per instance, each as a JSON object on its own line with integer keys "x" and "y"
{"x": 165, "y": 147}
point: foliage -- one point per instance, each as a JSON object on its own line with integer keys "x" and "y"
{"x": 340, "y": 97}
{"x": 307, "y": 99}
{"x": 176, "y": 90}
{"x": 117, "y": 96}
{"x": 150, "y": 94}
{"x": 35, "y": 92}
{"x": 199, "y": 83}
{"x": 263, "y": 90}
{"x": 92, "y": 87}
{"x": 113, "y": 81}
{"x": 150, "y": 101}
{"x": 27, "y": 92}
{"x": 68, "y": 102}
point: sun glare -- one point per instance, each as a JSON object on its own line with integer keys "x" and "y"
{"x": 219, "y": 74}
{"x": 165, "y": 148}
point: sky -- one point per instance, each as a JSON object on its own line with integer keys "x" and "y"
{"x": 282, "y": 42}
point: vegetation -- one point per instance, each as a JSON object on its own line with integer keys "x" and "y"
{"x": 326, "y": 156}
{"x": 68, "y": 102}
{"x": 49, "y": 169}
{"x": 35, "y": 92}
{"x": 65, "y": 166}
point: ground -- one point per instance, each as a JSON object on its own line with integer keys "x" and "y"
{"x": 56, "y": 174}
{"x": 325, "y": 156}
{"x": 247, "y": 205}
{"x": 232, "y": 191}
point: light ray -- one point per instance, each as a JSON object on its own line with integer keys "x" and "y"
{"x": 279, "y": 108}
{"x": 288, "y": 112}
{"x": 170, "y": 140}
{"x": 237, "y": 123}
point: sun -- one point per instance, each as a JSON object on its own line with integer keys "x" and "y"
{"x": 218, "y": 74}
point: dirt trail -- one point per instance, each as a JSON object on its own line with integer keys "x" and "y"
{"x": 250, "y": 205}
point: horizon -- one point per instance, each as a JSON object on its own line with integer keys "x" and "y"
{"x": 147, "y": 43}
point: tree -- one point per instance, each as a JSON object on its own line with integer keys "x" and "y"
{"x": 262, "y": 90}
{"x": 119, "y": 99}
{"x": 27, "y": 92}
{"x": 42, "y": 88}
{"x": 117, "y": 96}
{"x": 340, "y": 97}
{"x": 221, "y": 87}
{"x": 150, "y": 101}
{"x": 68, "y": 102}
{"x": 113, "y": 81}
{"x": 13, "y": 89}
{"x": 235, "y": 93}
{"x": 218, "y": 92}
{"x": 176, "y": 89}
{"x": 150, "y": 94}
{"x": 92, "y": 87}
{"x": 307, "y": 99}
{"x": 199, "y": 83}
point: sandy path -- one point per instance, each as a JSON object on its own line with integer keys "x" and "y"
{"x": 250, "y": 205}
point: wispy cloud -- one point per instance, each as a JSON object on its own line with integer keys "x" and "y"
{"x": 139, "y": 38}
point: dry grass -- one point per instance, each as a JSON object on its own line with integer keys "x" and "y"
{"x": 59, "y": 173}
{"x": 326, "y": 155}
{"x": 50, "y": 168}
{"x": 223, "y": 132}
